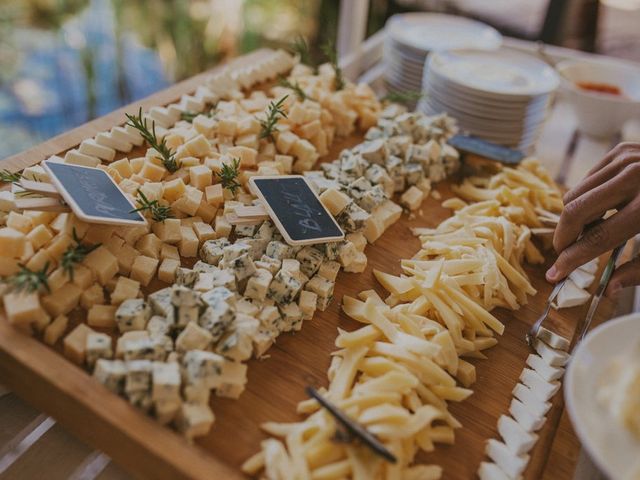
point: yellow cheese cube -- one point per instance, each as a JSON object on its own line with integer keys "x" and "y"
{"x": 123, "y": 167}
{"x": 102, "y": 316}
{"x": 227, "y": 126}
{"x": 75, "y": 343}
{"x": 9, "y": 266}
{"x": 198, "y": 146}
{"x": 98, "y": 233}
{"x": 304, "y": 151}
{"x": 152, "y": 190}
{"x": 28, "y": 252}
{"x": 144, "y": 269}
{"x": 12, "y": 243}
{"x": 152, "y": 172}
{"x": 114, "y": 244}
{"x": 223, "y": 227}
{"x": 206, "y": 212}
{"x": 132, "y": 234}
{"x": 247, "y": 125}
{"x": 412, "y": 198}
{"x": 57, "y": 279}
{"x": 62, "y": 301}
{"x": 309, "y": 130}
{"x": 246, "y": 155}
{"x": 320, "y": 142}
{"x": 334, "y": 200}
{"x": 58, "y": 245}
{"x": 188, "y": 162}
{"x": 102, "y": 263}
{"x": 39, "y": 260}
{"x": 189, "y": 202}
{"x": 169, "y": 251}
{"x": 204, "y": 125}
{"x": 22, "y": 308}
{"x": 137, "y": 164}
{"x": 373, "y": 228}
{"x": 214, "y": 194}
{"x": 167, "y": 270}
{"x": 40, "y": 218}
{"x": 19, "y": 222}
{"x": 55, "y": 330}
{"x": 203, "y": 231}
{"x": 57, "y": 224}
{"x": 173, "y": 141}
{"x": 174, "y": 189}
{"x": 168, "y": 231}
{"x": 83, "y": 276}
{"x": 92, "y": 296}
{"x": 125, "y": 289}
{"x": 285, "y": 162}
{"x": 126, "y": 256}
{"x": 39, "y": 236}
{"x": 200, "y": 177}
{"x": 149, "y": 245}
{"x": 358, "y": 239}
{"x": 188, "y": 245}
{"x": 285, "y": 141}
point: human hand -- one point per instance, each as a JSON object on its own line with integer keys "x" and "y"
{"x": 614, "y": 183}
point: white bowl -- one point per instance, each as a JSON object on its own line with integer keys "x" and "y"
{"x": 601, "y": 114}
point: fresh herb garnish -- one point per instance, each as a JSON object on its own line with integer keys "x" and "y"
{"x": 167, "y": 156}
{"x": 9, "y": 177}
{"x": 159, "y": 213}
{"x": 29, "y": 280}
{"x": 275, "y": 111}
{"x": 295, "y": 86}
{"x": 75, "y": 254}
{"x": 188, "y": 115}
{"x": 301, "y": 48}
{"x": 329, "y": 49}
{"x": 403, "y": 97}
{"x": 229, "y": 176}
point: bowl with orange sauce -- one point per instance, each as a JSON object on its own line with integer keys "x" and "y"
{"x": 604, "y": 94}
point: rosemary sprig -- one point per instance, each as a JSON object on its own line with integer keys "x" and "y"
{"x": 329, "y": 49}
{"x": 403, "y": 97}
{"x": 29, "y": 280}
{"x": 8, "y": 177}
{"x": 75, "y": 254}
{"x": 275, "y": 111}
{"x": 229, "y": 176}
{"x": 188, "y": 115}
{"x": 300, "y": 47}
{"x": 168, "y": 157}
{"x": 295, "y": 86}
{"x": 159, "y": 213}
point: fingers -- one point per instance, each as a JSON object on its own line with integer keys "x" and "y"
{"x": 627, "y": 275}
{"x": 591, "y": 206}
{"x": 597, "y": 240}
{"x": 616, "y": 160}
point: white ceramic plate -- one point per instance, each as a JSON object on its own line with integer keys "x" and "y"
{"x": 614, "y": 449}
{"x": 495, "y": 74}
{"x": 426, "y": 32}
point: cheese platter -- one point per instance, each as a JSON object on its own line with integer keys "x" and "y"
{"x": 208, "y": 296}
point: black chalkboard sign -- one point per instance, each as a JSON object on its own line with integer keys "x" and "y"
{"x": 296, "y": 209}
{"x": 92, "y": 194}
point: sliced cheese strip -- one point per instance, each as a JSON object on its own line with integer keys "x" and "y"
{"x": 531, "y": 400}
{"x": 553, "y": 357}
{"x": 590, "y": 267}
{"x": 123, "y": 134}
{"x": 539, "y": 386}
{"x": 106, "y": 139}
{"x": 543, "y": 369}
{"x": 514, "y": 436}
{"x": 491, "y": 471}
{"x": 553, "y": 339}
{"x": 91, "y": 147}
{"x": 75, "y": 157}
{"x": 582, "y": 278}
{"x": 510, "y": 463}
{"x": 571, "y": 295}
{"x": 527, "y": 420}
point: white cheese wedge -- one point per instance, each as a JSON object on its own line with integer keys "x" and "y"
{"x": 527, "y": 420}
{"x": 590, "y": 267}
{"x": 571, "y": 295}
{"x": 514, "y": 436}
{"x": 511, "y": 464}
{"x": 553, "y": 357}
{"x": 582, "y": 278}
{"x": 553, "y": 340}
{"x": 531, "y": 400}
{"x": 543, "y": 369}
{"x": 539, "y": 386}
{"x": 491, "y": 471}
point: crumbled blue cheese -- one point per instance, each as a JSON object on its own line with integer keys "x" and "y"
{"x": 133, "y": 314}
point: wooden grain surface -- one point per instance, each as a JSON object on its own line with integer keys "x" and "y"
{"x": 148, "y": 450}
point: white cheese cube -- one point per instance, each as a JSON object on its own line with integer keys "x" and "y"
{"x": 511, "y": 464}
{"x": 530, "y": 400}
{"x": 553, "y": 357}
{"x": 582, "y": 278}
{"x": 106, "y": 139}
{"x": 527, "y": 420}
{"x": 91, "y": 147}
{"x": 491, "y": 471}
{"x": 539, "y": 386}
{"x": 514, "y": 436}
{"x": 543, "y": 369}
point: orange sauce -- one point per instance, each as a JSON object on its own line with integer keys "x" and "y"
{"x": 600, "y": 88}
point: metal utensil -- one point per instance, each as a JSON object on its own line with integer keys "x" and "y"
{"x": 352, "y": 427}
{"x": 533, "y": 331}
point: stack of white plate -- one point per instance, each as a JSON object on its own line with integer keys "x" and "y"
{"x": 412, "y": 36}
{"x": 501, "y": 96}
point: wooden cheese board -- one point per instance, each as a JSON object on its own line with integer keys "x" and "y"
{"x": 276, "y": 384}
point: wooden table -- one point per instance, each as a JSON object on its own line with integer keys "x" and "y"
{"x": 30, "y": 438}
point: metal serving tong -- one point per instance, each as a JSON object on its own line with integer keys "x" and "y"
{"x": 532, "y": 335}
{"x": 353, "y": 428}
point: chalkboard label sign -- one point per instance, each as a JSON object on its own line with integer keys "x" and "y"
{"x": 92, "y": 194}
{"x": 296, "y": 209}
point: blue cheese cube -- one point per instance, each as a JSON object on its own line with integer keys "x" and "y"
{"x": 216, "y": 319}
{"x": 232, "y": 252}
{"x": 111, "y": 374}
{"x": 225, "y": 278}
{"x": 194, "y": 420}
{"x": 165, "y": 381}
{"x": 140, "y": 400}
{"x": 270, "y": 264}
{"x": 144, "y": 348}
{"x": 324, "y": 302}
{"x": 257, "y": 247}
{"x": 202, "y": 267}
{"x": 284, "y": 287}
{"x": 320, "y": 286}
{"x": 329, "y": 270}
{"x": 98, "y": 346}
{"x": 352, "y": 218}
{"x": 133, "y": 314}
{"x": 218, "y": 294}
{"x": 212, "y": 251}
{"x": 232, "y": 380}
{"x": 310, "y": 259}
{"x": 166, "y": 410}
{"x": 187, "y": 315}
{"x": 138, "y": 376}
{"x": 308, "y": 304}
{"x": 237, "y": 344}
{"x": 196, "y": 394}
{"x": 202, "y": 368}
{"x": 372, "y": 198}
{"x": 291, "y": 317}
{"x": 266, "y": 231}
{"x": 160, "y": 303}
{"x": 158, "y": 326}
{"x": 269, "y": 317}
{"x": 374, "y": 151}
{"x": 358, "y": 264}
{"x": 278, "y": 250}
{"x": 413, "y": 172}
{"x": 244, "y": 230}
{"x": 182, "y": 296}
{"x": 243, "y": 267}
{"x": 258, "y": 284}
{"x": 186, "y": 277}
{"x": 378, "y": 175}
{"x": 193, "y": 337}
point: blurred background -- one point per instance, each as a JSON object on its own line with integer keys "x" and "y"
{"x": 63, "y": 62}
